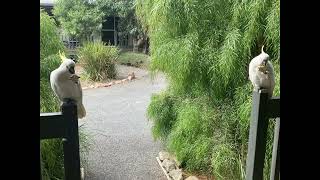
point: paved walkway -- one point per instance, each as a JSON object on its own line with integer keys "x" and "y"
{"x": 123, "y": 147}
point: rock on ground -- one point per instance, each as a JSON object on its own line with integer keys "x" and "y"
{"x": 163, "y": 155}
{"x": 168, "y": 165}
{"x": 192, "y": 178}
{"x": 176, "y": 174}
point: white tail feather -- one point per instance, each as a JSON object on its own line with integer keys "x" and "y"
{"x": 81, "y": 111}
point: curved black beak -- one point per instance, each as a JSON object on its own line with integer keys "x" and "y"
{"x": 71, "y": 70}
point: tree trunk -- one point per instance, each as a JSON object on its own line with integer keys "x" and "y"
{"x": 146, "y": 46}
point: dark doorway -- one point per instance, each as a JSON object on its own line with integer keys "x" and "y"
{"x": 108, "y": 37}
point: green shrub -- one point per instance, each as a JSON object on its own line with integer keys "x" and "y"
{"x": 134, "y": 59}
{"x": 48, "y": 101}
{"x": 98, "y": 60}
{"x": 204, "y": 48}
{"x": 52, "y": 159}
{"x": 191, "y": 137}
{"x": 50, "y": 42}
{"x": 161, "y": 112}
{"x": 224, "y": 155}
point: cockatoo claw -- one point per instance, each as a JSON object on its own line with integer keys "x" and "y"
{"x": 68, "y": 100}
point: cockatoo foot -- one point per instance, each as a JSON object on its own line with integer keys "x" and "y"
{"x": 68, "y": 100}
{"x": 74, "y": 78}
{"x": 263, "y": 90}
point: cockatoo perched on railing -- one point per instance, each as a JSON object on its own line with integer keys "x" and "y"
{"x": 66, "y": 85}
{"x": 261, "y": 73}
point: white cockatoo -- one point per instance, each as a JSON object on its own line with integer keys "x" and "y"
{"x": 261, "y": 73}
{"x": 66, "y": 85}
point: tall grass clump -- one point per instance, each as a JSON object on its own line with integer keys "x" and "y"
{"x": 52, "y": 150}
{"x": 162, "y": 108}
{"x": 50, "y": 42}
{"x": 98, "y": 60}
{"x": 204, "y": 49}
{"x": 50, "y": 45}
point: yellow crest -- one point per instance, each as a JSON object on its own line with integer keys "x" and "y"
{"x": 262, "y": 49}
{"x": 62, "y": 56}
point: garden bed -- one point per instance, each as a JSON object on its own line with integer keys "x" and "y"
{"x": 172, "y": 169}
{"x": 125, "y": 74}
{"x": 130, "y": 58}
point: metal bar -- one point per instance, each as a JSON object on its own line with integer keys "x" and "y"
{"x": 44, "y": 115}
{"x": 71, "y": 143}
{"x": 257, "y": 136}
{"x": 275, "y": 165}
{"x": 52, "y": 125}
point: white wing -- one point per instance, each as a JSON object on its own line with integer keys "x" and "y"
{"x": 253, "y": 74}
{"x": 53, "y": 83}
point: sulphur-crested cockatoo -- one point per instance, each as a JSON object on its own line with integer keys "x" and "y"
{"x": 66, "y": 85}
{"x": 261, "y": 73}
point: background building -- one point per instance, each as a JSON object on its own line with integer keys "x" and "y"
{"x": 109, "y": 32}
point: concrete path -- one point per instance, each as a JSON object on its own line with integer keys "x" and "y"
{"x": 122, "y": 144}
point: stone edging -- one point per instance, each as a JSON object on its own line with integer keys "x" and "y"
{"x": 164, "y": 171}
{"x": 130, "y": 77}
{"x": 171, "y": 167}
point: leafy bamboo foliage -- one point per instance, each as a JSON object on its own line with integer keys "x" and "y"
{"x": 204, "y": 49}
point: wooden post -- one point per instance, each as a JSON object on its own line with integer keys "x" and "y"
{"x": 64, "y": 125}
{"x": 275, "y": 165}
{"x": 40, "y": 167}
{"x": 71, "y": 142}
{"x": 257, "y": 136}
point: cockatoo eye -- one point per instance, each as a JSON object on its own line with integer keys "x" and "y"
{"x": 71, "y": 70}
{"x": 265, "y": 62}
